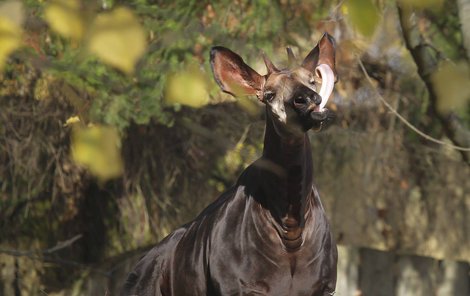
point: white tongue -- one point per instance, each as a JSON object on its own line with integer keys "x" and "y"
{"x": 328, "y": 82}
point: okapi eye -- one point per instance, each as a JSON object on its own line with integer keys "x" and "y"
{"x": 268, "y": 96}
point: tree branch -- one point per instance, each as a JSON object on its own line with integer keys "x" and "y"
{"x": 427, "y": 63}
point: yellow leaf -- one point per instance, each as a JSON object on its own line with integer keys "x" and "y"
{"x": 42, "y": 87}
{"x": 187, "y": 88}
{"x": 72, "y": 120}
{"x": 98, "y": 149}
{"x": 451, "y": 83}
{"x": 363, "y": 15}
{"x": 11, "y": 19}
{"x": 10, "y": 39}
{"x": 118, "y": 39}
{"x": 64, "y": 17}
{"x": 12, "y": 10}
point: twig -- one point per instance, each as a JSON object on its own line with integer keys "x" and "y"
{"x": 59, "y": 246}
{"x": 70, "y": 263}
{"x": 62, "y": 245}
{"x": 43, "y": 255}
{"x": 402, "y": 119}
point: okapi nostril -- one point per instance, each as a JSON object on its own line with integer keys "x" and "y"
{"x": 300, "y": 100}
{"x": 317, "y": 100}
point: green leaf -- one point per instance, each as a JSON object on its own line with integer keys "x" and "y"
{"x": 187, "y": 88}
{"x": 118, "y": 39}
{"x": 63, "y": 16}
{"x": 451, "y": 83}
{"x": 363, "y": 15}
{"x": 98, "y": 149}
{"x": 11, "y": 18}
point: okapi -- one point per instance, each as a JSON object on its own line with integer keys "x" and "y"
{"x": 268, "y": 234}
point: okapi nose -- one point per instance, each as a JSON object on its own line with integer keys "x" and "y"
{"x": 306, "y": 97}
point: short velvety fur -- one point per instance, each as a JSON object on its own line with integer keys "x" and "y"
{"x": 268, "y": 234}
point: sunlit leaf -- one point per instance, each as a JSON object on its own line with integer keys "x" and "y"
{"x": 64, "y": 17}
{"x": 41, "y": 88}
{"x": 118, "y": 39}
{"x": 187, "y": 88}
{"x": 71, "y": 120}
{"x": 363, "y": 15}
{"x": 11, "y": 19}
{"x": 97, "y": 148}
{"x": 451, "y": 83}
{"x": 12, "y": 10}
{"x": 10, "y": 39}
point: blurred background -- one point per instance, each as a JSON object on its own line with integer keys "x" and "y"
{"x": 113, "y": 133}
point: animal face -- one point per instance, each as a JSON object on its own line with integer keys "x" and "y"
{"x": 295, "y": 98}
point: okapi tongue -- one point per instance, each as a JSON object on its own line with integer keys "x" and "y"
{"x": 328, "y": 82}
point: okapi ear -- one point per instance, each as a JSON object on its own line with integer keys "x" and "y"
{"x": 323, "y": 53}
{"x": 233, "y": 75}
{"x": 321, "y": 62}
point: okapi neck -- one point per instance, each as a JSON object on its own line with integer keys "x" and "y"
{"x": 288, "y": 191}
{"x": 284, "y": 151}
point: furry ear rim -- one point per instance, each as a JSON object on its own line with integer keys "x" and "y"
{"x": 311, "y": 60}
{"x": 322, "y": 53}
{"x": 233, "y": 75}
{"x": 321, "y": 62}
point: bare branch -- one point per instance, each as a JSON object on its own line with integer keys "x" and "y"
{"x": 44, "y": 256}
{"x": 63, "y": 245}
{"x": 32, "y": 253}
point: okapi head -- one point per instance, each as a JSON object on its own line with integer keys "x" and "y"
{"x": 295, "y": 97}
